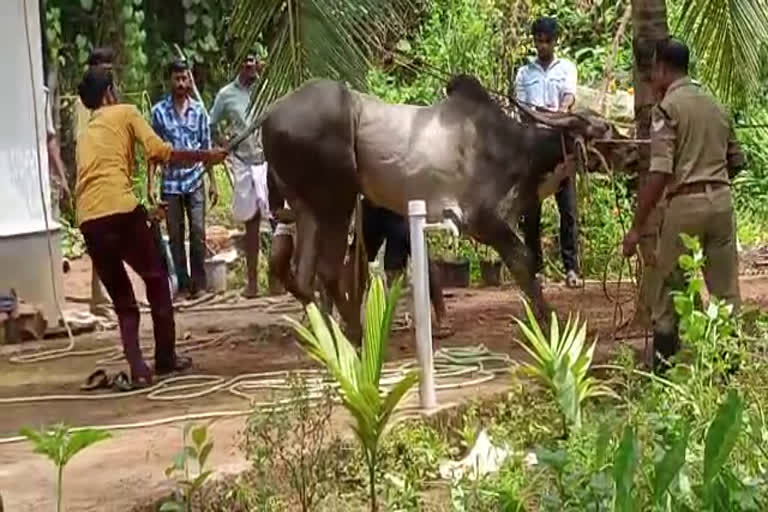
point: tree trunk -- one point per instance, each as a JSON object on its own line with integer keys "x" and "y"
{"x": 649, "y": 25}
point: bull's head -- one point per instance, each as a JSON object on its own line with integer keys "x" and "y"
{"x": 600, "y": 136}
{"x": 586, "y": 123}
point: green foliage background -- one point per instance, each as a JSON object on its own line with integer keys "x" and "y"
{"x": 488, "y": 38}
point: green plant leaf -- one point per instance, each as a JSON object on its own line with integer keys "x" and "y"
{"x": 624, "y": 465}
{"x": 690, "y": 242}
{"x": 172, "y": 506}
{"x": 198, "y": 482}
{"x": 395, "y": 395}
{"x": 602, "y": 442}
{"x": 721, "y": 438}
{"x": 199, "y": 435}
{"x": 565, "y": 392}
{"x": 375, "y": 311}
{"x": 82, "y": 439}
{"x": 669, "y": 467}
{"x": 557, "y": 460}
{"x": 204, "y": 453}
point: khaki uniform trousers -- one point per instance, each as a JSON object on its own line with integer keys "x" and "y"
{"x": 710, "y": 217}
{"x": 649, "y": 277}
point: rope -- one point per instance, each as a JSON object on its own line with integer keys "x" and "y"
{"x": 618, "y": 311}
{"x": 455, "y": 368}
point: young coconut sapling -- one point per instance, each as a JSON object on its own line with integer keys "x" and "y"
{"x": 359, "y": 375}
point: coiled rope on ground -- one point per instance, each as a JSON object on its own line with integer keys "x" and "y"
{"x": 455, "y": 368}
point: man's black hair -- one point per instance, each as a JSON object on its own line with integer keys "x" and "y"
{"x": 547, "y": 26}
{"x": 101, "y": 55}
{"x": 177, "y": 66}
{"x": 94, "y": 86}
{"x": 674, "y": 54}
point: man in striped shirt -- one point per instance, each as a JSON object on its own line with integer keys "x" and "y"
{"x": 182, "y": 121}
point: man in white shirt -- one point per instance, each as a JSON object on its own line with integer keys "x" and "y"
{"x": 549, "y": 83}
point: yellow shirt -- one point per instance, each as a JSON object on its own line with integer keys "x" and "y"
{"x": 105, "y": 160}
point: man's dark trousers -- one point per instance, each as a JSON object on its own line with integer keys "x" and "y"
{"x": 192, "y": 207}
{"x": 531, "y": 227}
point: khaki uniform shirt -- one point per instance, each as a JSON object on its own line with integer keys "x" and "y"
{"x": 692, "y": 138}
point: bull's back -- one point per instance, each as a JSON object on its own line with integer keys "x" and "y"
{"x": 308, "y": 141}
{"x": 407, "y": 152}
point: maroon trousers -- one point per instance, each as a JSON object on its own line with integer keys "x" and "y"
{"x": 127, "y": 237}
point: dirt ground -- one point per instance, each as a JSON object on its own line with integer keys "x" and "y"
{"x": 119, "y": 472}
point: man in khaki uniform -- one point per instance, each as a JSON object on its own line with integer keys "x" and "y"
{"x": 694, "y": 155}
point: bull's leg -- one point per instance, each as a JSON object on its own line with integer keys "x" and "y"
{"x": 486, "y": 226}
{"x": 306, "y": 258}
{"x": 444, "y": 328}
{"x": 338, "y": 279}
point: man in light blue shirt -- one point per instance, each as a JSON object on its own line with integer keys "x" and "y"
{"x": 250, "y": 201}
{"x": 549, "y": 83}
{"x": 182, "y": 121}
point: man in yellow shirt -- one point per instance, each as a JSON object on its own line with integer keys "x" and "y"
{"x": 104, "y": 58}
{"x": 116, "y": 228}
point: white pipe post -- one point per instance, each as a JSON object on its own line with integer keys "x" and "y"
{"x": 417, "y": 215}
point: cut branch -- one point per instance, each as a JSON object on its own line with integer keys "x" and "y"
{"x": 611, "y": 63}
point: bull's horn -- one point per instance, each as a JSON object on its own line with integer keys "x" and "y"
{"x": 555, "y": 120}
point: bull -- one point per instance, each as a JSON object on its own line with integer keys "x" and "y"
{"x": 326, "y": 144}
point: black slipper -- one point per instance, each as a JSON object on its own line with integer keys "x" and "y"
{"x": 96, "y": 380}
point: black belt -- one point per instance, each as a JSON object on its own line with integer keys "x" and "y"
{"x": 696, "y": 188}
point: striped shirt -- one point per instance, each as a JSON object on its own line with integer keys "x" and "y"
{"x": 191, "y": 131}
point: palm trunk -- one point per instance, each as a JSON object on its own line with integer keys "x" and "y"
{"x": 649, "y": 25}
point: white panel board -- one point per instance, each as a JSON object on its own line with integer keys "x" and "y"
{"x": 22, "y": 132}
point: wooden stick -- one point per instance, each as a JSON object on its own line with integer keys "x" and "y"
{"x": 614, "y": 52}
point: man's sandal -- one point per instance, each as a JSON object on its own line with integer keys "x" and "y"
{"x": 97, "y": 380}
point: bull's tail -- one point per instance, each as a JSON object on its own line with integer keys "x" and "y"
{"x": 255, "y": 125}
{"x": 361, "y": 258}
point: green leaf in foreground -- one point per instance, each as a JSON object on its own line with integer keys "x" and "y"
{"x": 669, "y": 467}
{"x": 721, "y": 438}
{"x": 624, "y": 471}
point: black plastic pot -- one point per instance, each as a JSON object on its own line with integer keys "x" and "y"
{"x": 490, "y": 273}
{"x": 454, "y": 273}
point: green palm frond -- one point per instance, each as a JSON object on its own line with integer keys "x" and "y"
{"x": 333, "y": 39}
{"x": 729, "y": 36}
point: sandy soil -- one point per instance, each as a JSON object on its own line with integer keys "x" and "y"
{"x": 116, "y": 474}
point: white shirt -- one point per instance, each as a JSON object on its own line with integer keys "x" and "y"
{"x": 546, "y": 87}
